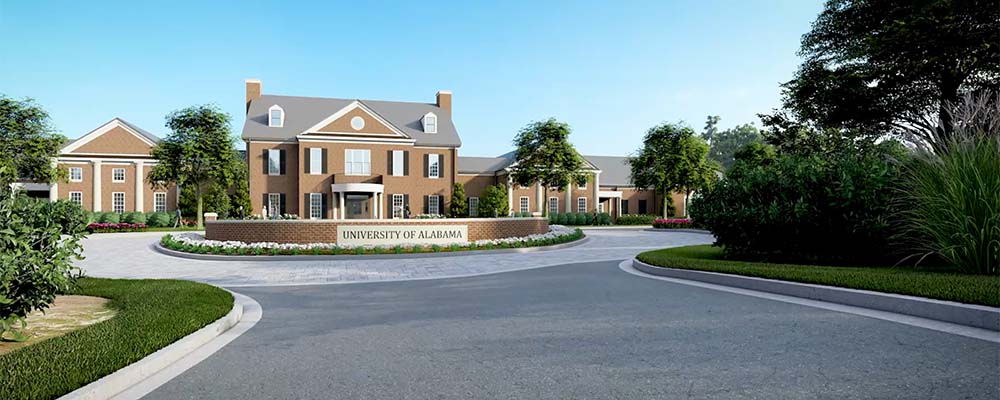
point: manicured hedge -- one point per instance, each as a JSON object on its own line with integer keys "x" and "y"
{"x": 119, "y": 227}
{"x": 635, "y": 219}
{"x": 109, "y": 218}
{"x": 579, "y": 218}
{"x": 151, "y": 315}
{"x": 930, "y": 283}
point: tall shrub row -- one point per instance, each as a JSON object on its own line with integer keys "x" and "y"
{"x": 830, "y": 206}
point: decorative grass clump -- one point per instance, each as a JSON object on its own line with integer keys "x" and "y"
{"x": 152, "y": 313}
{"x": 931, "y": 283}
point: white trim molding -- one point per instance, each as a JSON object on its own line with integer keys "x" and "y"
{"x": 348, "y": 108}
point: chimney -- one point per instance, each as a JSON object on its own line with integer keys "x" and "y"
{"x": 253, "y": 91}
{"x": 444, "y": 100}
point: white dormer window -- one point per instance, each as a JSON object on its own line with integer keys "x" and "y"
{"x": 275, "y": 116}
{"x": 430, "y": 123}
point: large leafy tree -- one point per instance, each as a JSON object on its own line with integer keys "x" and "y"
{"x": 38, "y": 239}
{"x": 545, "y": 156}
{"x": 722, "y": 145}
{"x": 672, "y": 159}
{"x": 199, "y": 152}
{"x": 28, "y": 142}
{"x": 894, "y": 65}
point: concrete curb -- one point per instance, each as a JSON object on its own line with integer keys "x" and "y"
{"x": 957, "y": 313}
{"x": 664, "y": 230}
{"x": 345, "y": 257}
{"x": 122, "y": 380}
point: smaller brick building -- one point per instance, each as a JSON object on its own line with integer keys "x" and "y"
{"x": 107, "y": 170}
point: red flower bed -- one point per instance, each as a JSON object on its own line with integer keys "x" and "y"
{"x": 672, "y": 223}
{"x": 122, "y": 227}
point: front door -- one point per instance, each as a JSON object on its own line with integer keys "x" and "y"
{"x": 356, "y": 207}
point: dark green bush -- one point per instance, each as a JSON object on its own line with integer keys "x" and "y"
{"x": 134, "y": 218}
{"x": 561, "y": 219}
{"x": 831, "y": 207}
{"x": 603, "y": 219}
{"x": 580, "y": 218}
{"x": 635, "y": 219}
{"x": 110, "y": 218}
{"x": 158, "y": 220}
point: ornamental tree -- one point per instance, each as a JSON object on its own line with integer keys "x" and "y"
{"x": 888, "y": 64}
{"x": 457, "y": 208}
{"x": 672, "y": 159}
{"x": 722, "y": 145}
{"x": 28, "y": 143}
{"x": 493, "y": 202}
{"x": 199, "y": 152}
{"x": 545, "y": 156}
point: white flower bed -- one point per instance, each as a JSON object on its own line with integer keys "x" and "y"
{"x": 194, "y": 239}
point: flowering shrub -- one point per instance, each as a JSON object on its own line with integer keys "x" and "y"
{"x": 196, "y": 243}
{"x": 672, "y": 223}
{"x": 120, "y": 227}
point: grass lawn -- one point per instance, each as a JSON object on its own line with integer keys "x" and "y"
{"x": 151, "y": 315}
{"x": 973, "y": 289}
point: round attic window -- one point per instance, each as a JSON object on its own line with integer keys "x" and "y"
{"x": 357, "y": 123}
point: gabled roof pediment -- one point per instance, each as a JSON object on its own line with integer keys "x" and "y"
{"x": 356, "y": 119}
{"x": 115, "y": 137}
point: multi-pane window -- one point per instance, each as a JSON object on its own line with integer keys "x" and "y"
{"x": 433, "y": 166}
{"x": 315, "y": 160}
{"x": 273, "y": 204}
{"x": 434, "y": 204}
{"x": 430, "y": 123}
{"x": 398, "y": 161}
{"x": 473, "y": 206}
{"x": 523, "y": 206}
{"x": 275, "y": 116}
{"x": 600, "y": 207}
{"x": 118, "y": 175}
{"x": 581, "y": 204}
{"x": 397, "y": 206}
{"x": 76, "y": 174}
{"x": 160, "y": 202}
{"x": 553, "y": 205}
{"x": 76, "y": 197}
{"x": 624, "y": 207}
{"x": 118, "y": 202}
{"x": 315, "y": 205}
{"x": 357, "y": 162}
{"x": 274, "y": 162}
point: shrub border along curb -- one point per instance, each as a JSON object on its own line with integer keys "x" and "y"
{"x": 976, "y": 316}
{"x": 135, "y": 374}
{"x": 687, "y": 230}
{"x": 390, "y": 256}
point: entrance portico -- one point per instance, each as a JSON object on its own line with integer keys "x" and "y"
{"x": 351, "y": 200}
{"x": 615, "y": 198}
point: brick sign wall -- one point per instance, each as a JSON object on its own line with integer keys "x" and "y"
{"x": 325, "y": 231}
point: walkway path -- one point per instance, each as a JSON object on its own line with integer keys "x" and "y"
{"x": 130, "y": 255}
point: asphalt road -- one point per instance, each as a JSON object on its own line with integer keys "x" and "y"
{"x": 582, "y": 331}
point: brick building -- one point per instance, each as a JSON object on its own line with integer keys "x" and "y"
{"x": 325, "y": 158}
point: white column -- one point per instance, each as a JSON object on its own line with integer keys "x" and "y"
{"x": 618, "y": 207}
{"x": 539, "y": 200}
{"x": 510, "y": 196}
{"x": 597, "y": 189}
{"x": 54, "y": 187}
{"x": 378, "y": 206}
{"x": 569, "y": 197}
{"x": 340, "y": 203}
{"x": 97, "y": 184}
{"x": 138, "y": 186}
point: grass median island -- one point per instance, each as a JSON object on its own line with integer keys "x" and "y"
{"x": 972, "y": 289}
{"x": 151, "y": 314}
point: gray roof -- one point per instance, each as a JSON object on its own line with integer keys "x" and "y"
{"x": 481, "y": 165}
{"x": 302, "y": 113}
{"x": 615, "y": 170}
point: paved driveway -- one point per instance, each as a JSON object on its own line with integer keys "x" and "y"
{"x": 585, "y": 330}
{"x": 129, "y": 255}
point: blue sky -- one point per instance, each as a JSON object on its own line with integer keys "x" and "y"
{"x": 610, "y": 70}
